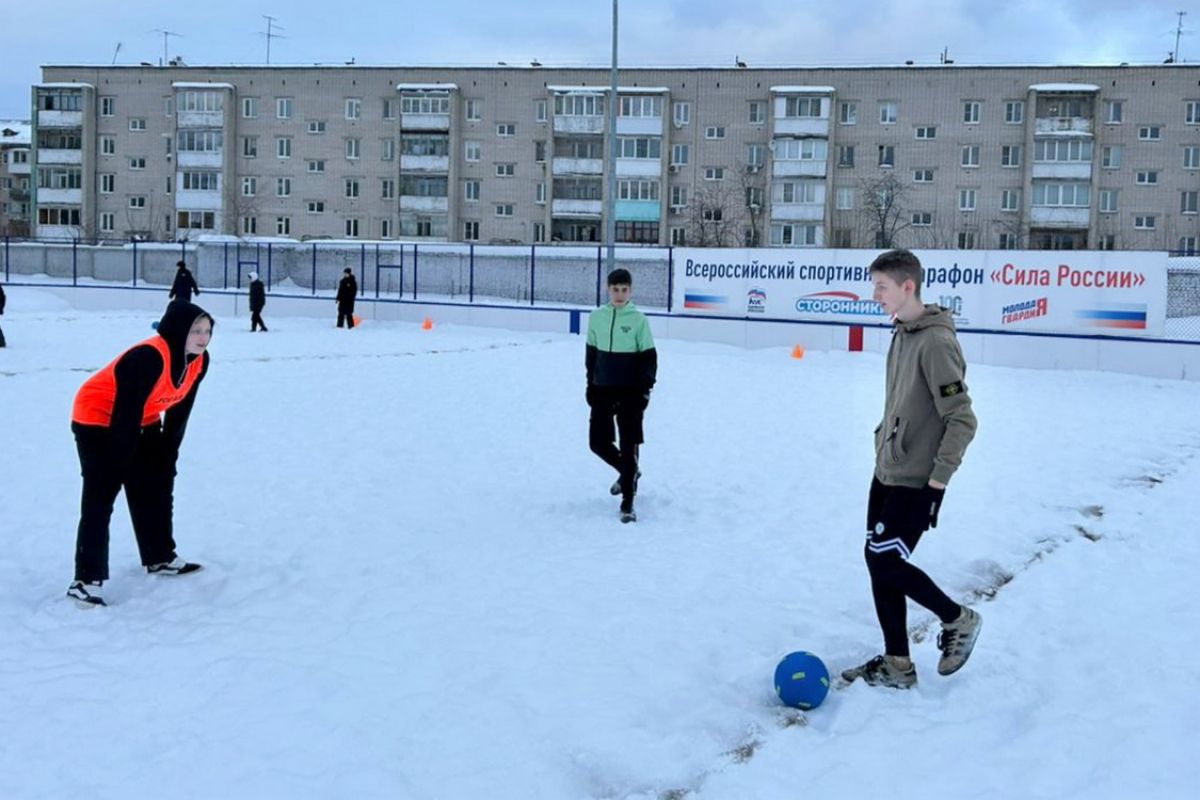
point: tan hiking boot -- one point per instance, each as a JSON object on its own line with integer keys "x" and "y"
{"x": 894, "y": 672}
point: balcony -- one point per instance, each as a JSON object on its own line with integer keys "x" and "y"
{"x": 802, "y": 126}
{"x": 581, "y": 125}
{"x": 412, "y": 202}
{"x": 1056, "y": 217}
{"x": 798, "y": 212}
{"x": 577, "y": 208}
{"x": 60, "y": 119}
{"x": 638, "y": 210}
{"x": 189, "y": 158}
{"x": 200, "y": 119}
{"x": 639, "y": 126}
{"x": 792, "y": 169}
{"x": 198, "y": 201}
{"x": 1062, "y": 126}
{"x": 425, "y": 122}
{"x": 578, "y": 166}
{"x": 425, "y": 163}
{"x": 18, "y": 195}
{"x": 639, "y": 167}
{"x": 60, "y": 156}
{"x": 1079, "y": 170}
{"x": 20, "y": 169}
{"x": 71, "y": 197}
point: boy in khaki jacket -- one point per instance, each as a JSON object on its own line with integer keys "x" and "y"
{"x": 927, "y": 425}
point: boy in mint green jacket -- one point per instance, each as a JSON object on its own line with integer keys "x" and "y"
{"x": 621, "y": 368}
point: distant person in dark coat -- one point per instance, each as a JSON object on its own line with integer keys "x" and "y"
{"x": 258, "y": 299}
{"x": 347, "y": 291}
{"x": 184, "y": 284}
{"x": 2, "y": 342}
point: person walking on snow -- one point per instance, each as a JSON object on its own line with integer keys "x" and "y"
{"x": 346, "y": 292}
{"x": 2, "y": 302}
{"x": 184, "y": 284}
{"x": 258, "y": 301}
{"x": 622, "y": 365}
{"x": 129, "y": 419}
{"x": 927, "y": 425}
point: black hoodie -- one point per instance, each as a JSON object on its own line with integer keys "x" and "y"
{"x": 139, "y": 369}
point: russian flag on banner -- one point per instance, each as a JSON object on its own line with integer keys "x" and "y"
{"x": 707, "y": 302}
{"x": 1117, "y": 315}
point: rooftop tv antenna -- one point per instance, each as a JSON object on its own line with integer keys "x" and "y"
{"x": 1178, "y": 32}
{"x": 270, "y": 34}
{"x": 114, "y": 61}
{"x": 166, "y": 35}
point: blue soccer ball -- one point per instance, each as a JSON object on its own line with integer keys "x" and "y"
{"x": 801, "y": 680}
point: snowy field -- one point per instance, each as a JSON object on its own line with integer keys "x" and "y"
{"x": 417, "y": 585}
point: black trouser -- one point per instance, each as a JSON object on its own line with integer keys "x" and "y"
{"x": 896, "y": 518}
{"x": 346, "y": 312}
{"x": 628, "y": 407}
{"x": 256, "y": 321}
{"x": 149, "y": 491}
{"x": 2, "y": 342}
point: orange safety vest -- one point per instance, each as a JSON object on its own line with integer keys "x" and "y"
{"x": 95, "y": 400}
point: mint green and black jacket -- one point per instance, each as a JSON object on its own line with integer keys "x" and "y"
{"x": 620, "y": 349}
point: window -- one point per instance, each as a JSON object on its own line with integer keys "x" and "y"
{"x": 539, "y": 110}
{"x": 539, "y": 231}
{"x": 1010, "y": 200}
{"x": 971, "y": 112}
{"x": 283, "y": 147}
{"x": 842, "y": 237}
{"x": 353, "y": 148}
{"x": 712, "y": 214}
{"x": 679, "y": 154}
{"x": 1010, "y": 155}
{"x": 108, "y": 222}
{"x": 1006, "y": 241}
{"x": 424, "y": 186}
{"x": 1144, "y": 222}
{"x": 970, "y": 155}
{"x": 471, "y": 231}
{"x": 1061, "y": 150}
{"x": 108, "y": 184}
{"x": 641, "y": 147}
{"x": 579, "y": 105}
{"x": 58, "y": 216}
{"x": 316, "y": 127}
{"x": 249, "y": 147}
{"x": 107, "y": 106}
{"x": 802, "y": 107}
{"x": 283, "y": 226}
{"x": 1107, "y": 241}
{"x": 249, "y": 108}
{"x": 54, "y": 177}
{"x": 471, "y": 191}
{"x": 389, "y": 112}
{"x": 168, "y": 106}
{"x": 1114, "y": 111}
{"x": 848, "y": 113}
{"x": 922, "y": 219}
{"x": 758, "y": 112}
{"x": 539, "y": 194}
{"x": 385, "y": 229}
{"x": 504, "y": 210}
{"x": 845, "y": 155}
{"x": 1191, "y": 115}
{"x": 1187, "y": 245}
{"x": 59, "y": 100}
{"x": 1068, "y": 195}
{"x": 637, "y": 190}
{"x": 887, "y": 155}
{"x": 354, "y": 111}
{"x": 714, "y": 132}
{"x": 198, "y": 141}
{"x": 1148, "y": 178}
{"x": 201, "y": 182}
{"x": 714, "y": 173}
{"x": 1014, "y": 112}
{"x": 966, "y": 240}
{"x": 352, "y": 228}
{"x": 137, "y": 124}
{"x": 637, "y": 232}
{"x": 679, "y": 197}
{"x": 388, "y": 150}
{"x": 283, "y": 187}
{"x": 682, "y": 113}
{"x": 168, "y": 189}
{"x": 1191, "y": 157}
{"x": 1109, "y": 201}
{"x": 640, "y": 106}
{"x": 316, "y": 206}
{"x": 845, "y": 199}
{"x": 793, "y": 234}
{"x": 888, "y": 113}
{"x": 196, "y": 220}
{"x": 506, "y": 129}
{"x": 1111, "y": 156}
{"x": 387, "y": 188}
{"x": 138, "y": 162}
{"x": 137, "y": 201}
{"x": 506, "y": 170}
{"x": 756, "y": 155}
{"x": 283, "y": 108}
{"x": 351, "y": 186}
{"x": 316, "y": 165}
{"x": 249, "y": 186}
{"x": 754, "y": 197}
{"x": 473, "y": 150}
{"x": 249, "y": 226}
{"x": 474, "y": 110}
{"x": 427, "y": 103}
{"x": 1189, "y": 202}
{"x": 923, "y": 176}
{"x": 801, "y": 149}
{"x": 927, "y": 132}
{"x": 678, "y": 236}
{"x": 1150, "y": 133}
{"x": 966, "y": 199}
{"x": 789, "y": 192}
{"x": 108, "y": 146}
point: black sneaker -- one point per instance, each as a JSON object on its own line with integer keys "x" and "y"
{"x": 627, "y": 512}
{"x": 176, "y": 566}
{"x": 86, "y": 594}
{"x": 615, "y": 489}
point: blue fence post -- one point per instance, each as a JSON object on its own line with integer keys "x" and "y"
{"x": 532, "y": 272}
{"x": 402, "y": 271}
{"x": 135, "y": 263}
{"x": 599, "y": 267}
{"x": 225, "y": 267}
{"x": 362, "y": 270}
{"x": 471, "y": 279}
{"x": 75, "y": 263}
{"x": 314, "y": 269}
{"x": 670, "y": 276}
{"x": 415, "y": 249}
{"x": 377, "y": 270}
{"x": 269, "y": 264}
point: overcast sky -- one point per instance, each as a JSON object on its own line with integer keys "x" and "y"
{"x": 577, "y": 33}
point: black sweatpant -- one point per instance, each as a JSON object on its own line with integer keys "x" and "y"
{"x": 897, "y": 516}
{"x": 149, "y": 491}
{"x": 627, "y": 406}
{"x": 256, "y": 321}
{"x": 346, "y": 313}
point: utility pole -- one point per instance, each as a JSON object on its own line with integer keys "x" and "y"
{"x": 610, "y": 203}
{"x": 165, "y": 34}
{"x": 270, "y": 34}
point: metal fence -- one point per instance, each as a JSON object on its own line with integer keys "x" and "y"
{"x": 570, "y": 275}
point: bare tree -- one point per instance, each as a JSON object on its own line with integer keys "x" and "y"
{"x": 237, "y": 205}
{"x": 714, "y": 215}
{"x": 753, "y": 183}
{"x": 884, "y": 211}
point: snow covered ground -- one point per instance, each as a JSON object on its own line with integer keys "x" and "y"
{"x": 417, "y": 586}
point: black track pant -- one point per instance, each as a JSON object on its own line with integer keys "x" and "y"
{"x": 149, "y": 491}
{"x": 627, "y": 407}
{"x": 897, "y": 516}
{"x": 256, "y": 321}
{"x": 346, "y": 314}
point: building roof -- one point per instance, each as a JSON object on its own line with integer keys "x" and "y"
{"x": 15, "y": 132}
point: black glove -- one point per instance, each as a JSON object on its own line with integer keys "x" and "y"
{"x": 590, "y": 394}
{"x": 934, "y": 497}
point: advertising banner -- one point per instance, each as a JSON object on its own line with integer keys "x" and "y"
{"x": 1060, "y": 291}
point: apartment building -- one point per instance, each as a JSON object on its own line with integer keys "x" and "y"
{"x": 14, "y": 178}
{"x": 921, "y": 156}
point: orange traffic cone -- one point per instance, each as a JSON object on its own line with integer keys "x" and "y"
{"x": 427, "y": 325}
{"x": 798, "y": 351}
